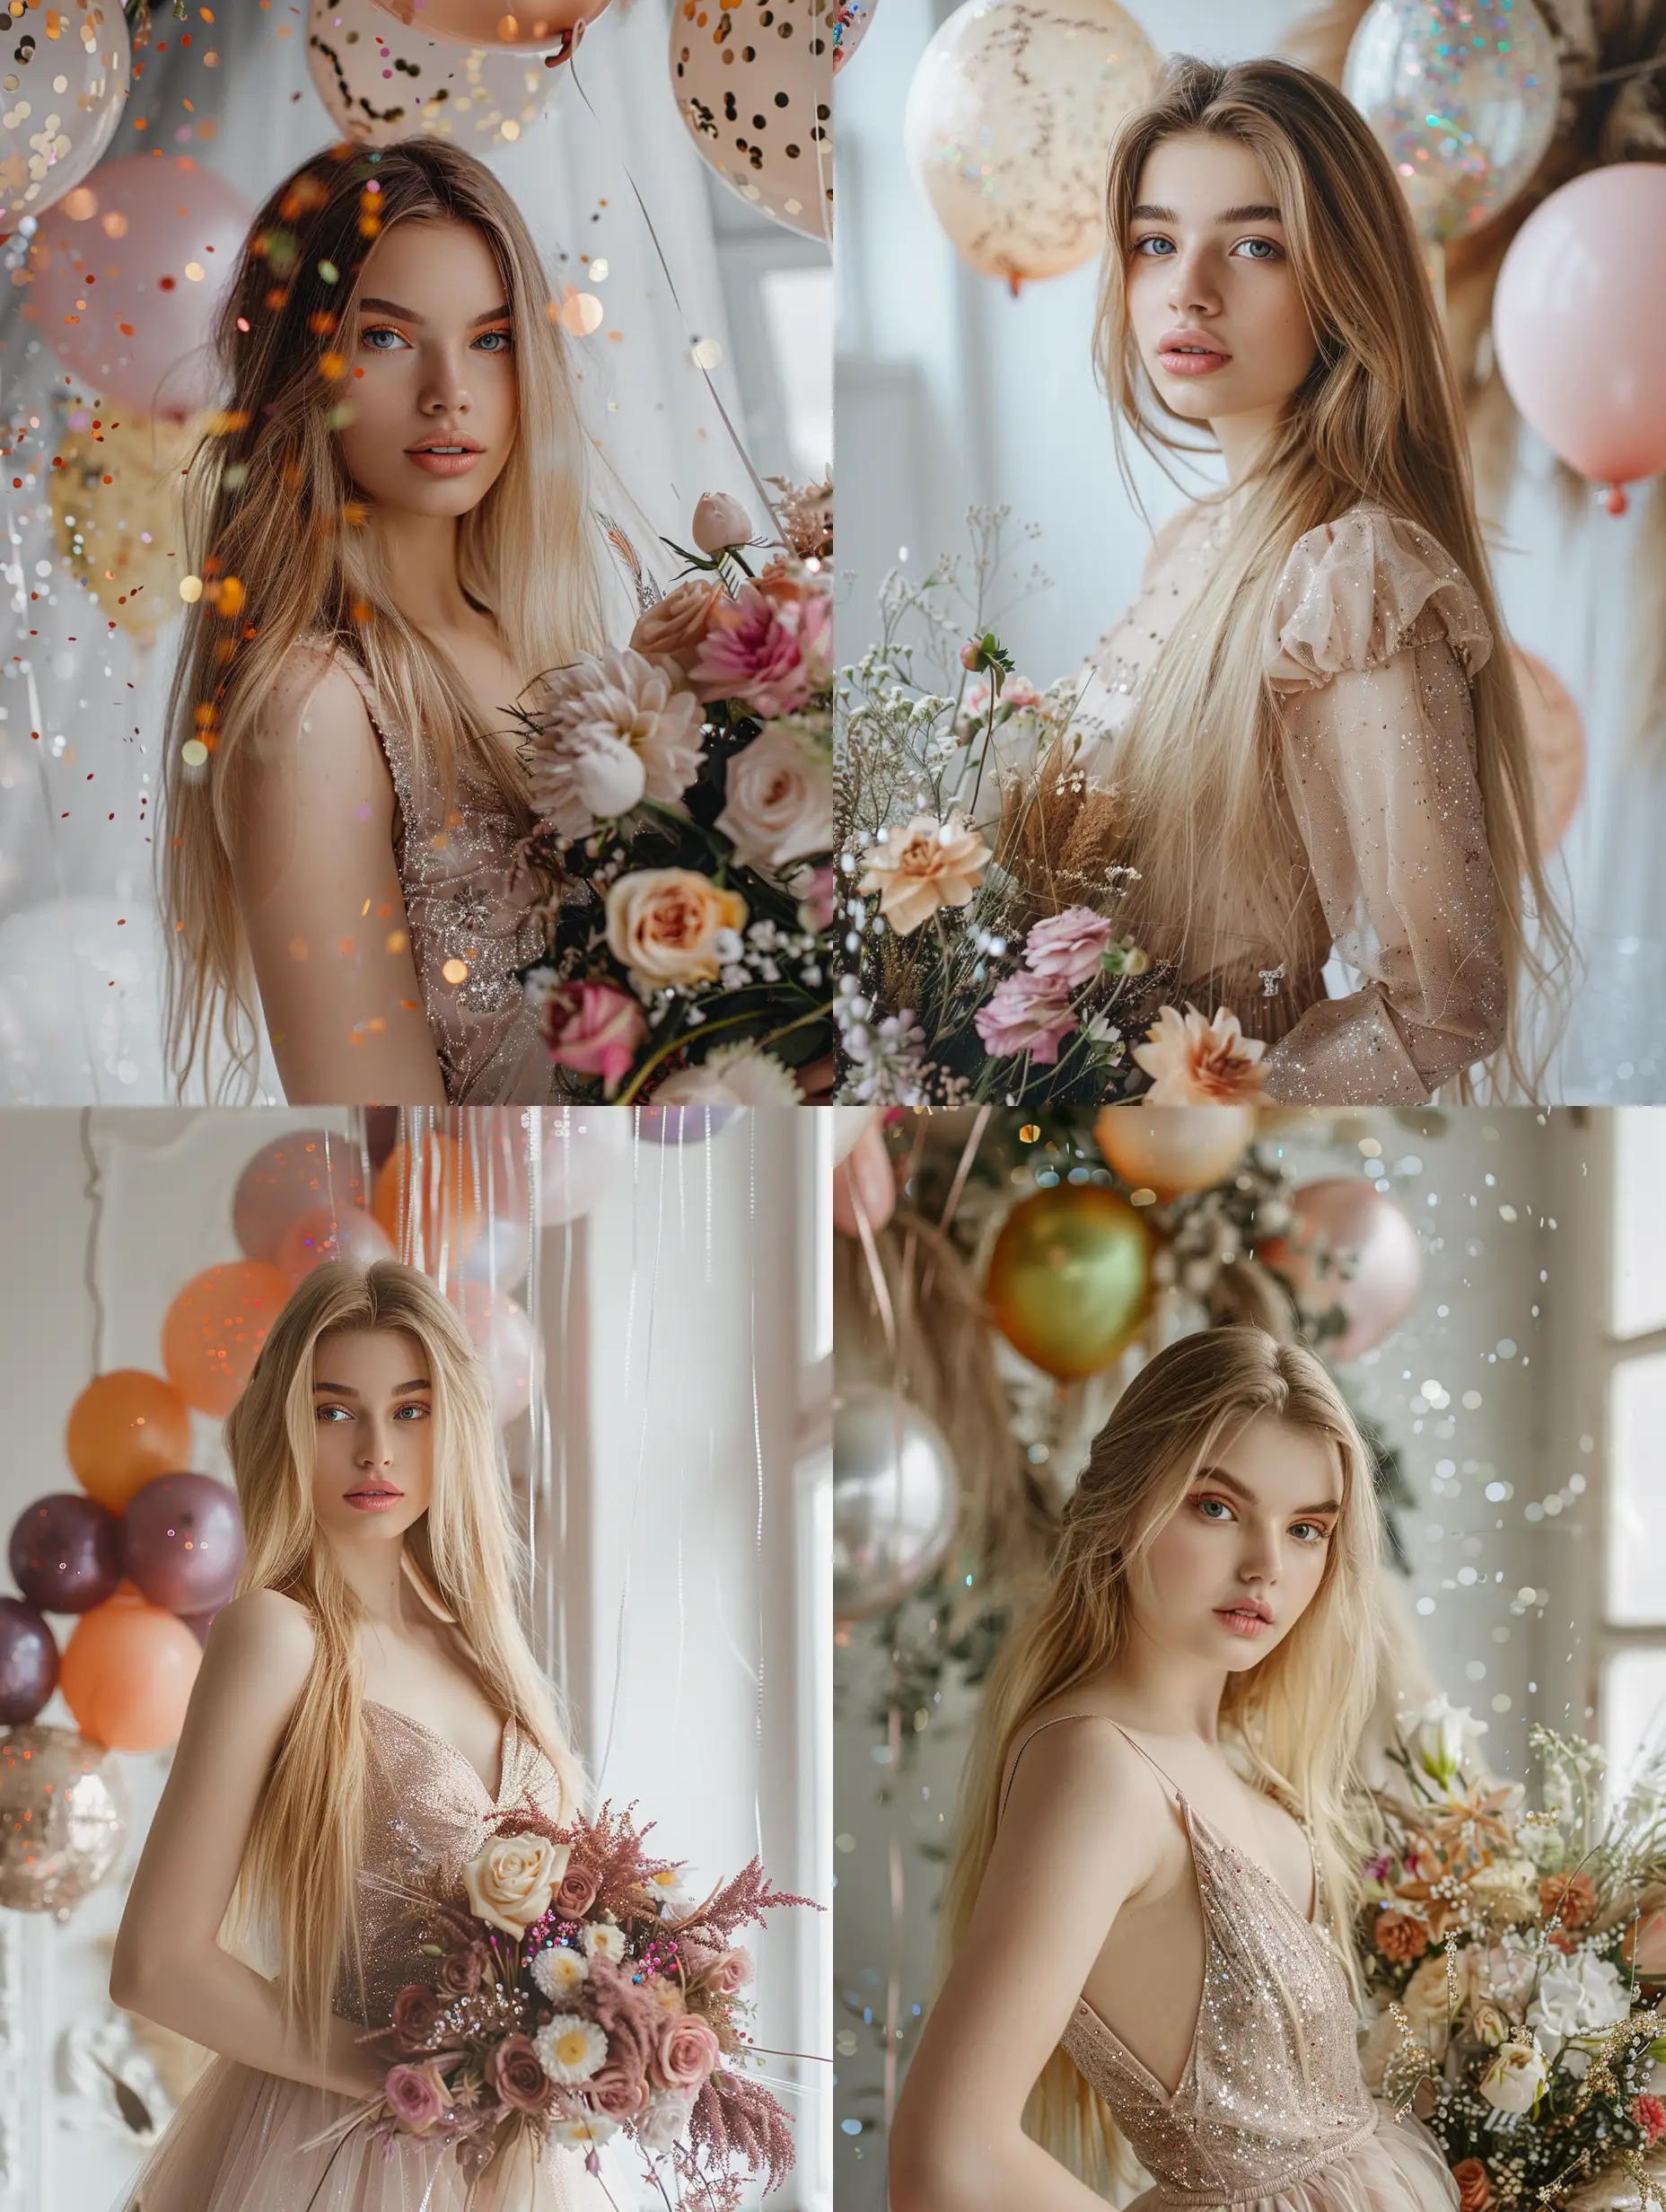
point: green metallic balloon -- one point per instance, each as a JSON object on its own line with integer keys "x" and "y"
{"x": 1070, "y": 1278}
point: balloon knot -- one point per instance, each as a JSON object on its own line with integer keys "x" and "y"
{"x": 1616, "y": 502}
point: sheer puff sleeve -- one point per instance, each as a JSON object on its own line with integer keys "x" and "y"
{"x": 1374, "y": 635}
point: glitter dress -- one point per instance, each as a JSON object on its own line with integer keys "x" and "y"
{"x": 235, "y": 2142}
{"x": 454, "y": 871}
{"x": 1374, "y": 636}
{"x": 1272, "y": 2110}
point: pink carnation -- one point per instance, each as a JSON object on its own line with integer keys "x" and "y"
{"x": 594, "y": 1030}
{"x": 416, "y": 2095}
{"x": 1066, "y": 946}
{"x": 1026, "y": 1013}
{"x": 751, "y": 654}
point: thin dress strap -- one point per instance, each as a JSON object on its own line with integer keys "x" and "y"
{"x": 1025, "y": 1741}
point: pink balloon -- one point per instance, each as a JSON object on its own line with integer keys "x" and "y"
{"x": 502, "y": 1339}
{"x": 1354, "y": 1249}
{"x": 117, "y": 298}
{"x": 585, "y": 1148}
{"x": 332, "y": 1232}
{"x": 866, "y": 1175}
{"x": 299, "y": 1172}
{"x": 1579, "y": 323}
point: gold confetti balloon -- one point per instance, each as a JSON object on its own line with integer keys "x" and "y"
{"x": 381, "y": 81}
{"x": 1070, "y": 1278}
{"x": 754, "y": 83}
{"x": 1009, "y": 123}
{"x": 64, "y": 1811}
{"x": 117, "y": 516}
{"x": 64, "y": 77}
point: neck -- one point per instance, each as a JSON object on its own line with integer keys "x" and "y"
{"x": 372, "y": 1569}
{"x": 1168, "y": 1693}
{"x": 1241, "y": 436}
{"x": 419, "y": 560}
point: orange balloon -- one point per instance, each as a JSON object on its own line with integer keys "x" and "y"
{"x": 127, "y": 1673}
{"x": 433, "y": 1185}
{"x": 1168, "y": 1149}
{"x": 126, "y": 1428}
{"x": 212, "y": 1333}
{"x": 1556, "y": 747}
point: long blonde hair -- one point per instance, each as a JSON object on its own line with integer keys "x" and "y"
{"x": 275, "y": 530}
{"x": 296, "y": 1888}
{"x": 1378, "y": 421}
{"x": 1297, "y": 1717}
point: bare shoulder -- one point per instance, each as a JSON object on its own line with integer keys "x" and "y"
{"x": 1067, "y": 1753}
{"x": 262, "y": 1638}
{"x": 312, "y": 747}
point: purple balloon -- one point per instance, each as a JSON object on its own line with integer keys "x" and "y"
{"x": 184, "y": 1542}
{"x": 28, "y": 1663}
{"x": 682, "y": 1125}
{"x": 66, "y": 1553}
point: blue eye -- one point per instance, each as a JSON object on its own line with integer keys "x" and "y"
{"x": 1271, "y": 253}
{"x": 369, "y": 338}
{"x": 329, "y": 1413}
{"x": 1204, "y": 1504}
{"x": 421, "y": 1412}
{"x": 1142, "y": 244}
{"x": 1316, "y": 1535}
{"x": 500, "y": 341}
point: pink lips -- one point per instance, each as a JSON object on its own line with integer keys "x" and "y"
{"x": 374, "y": 1500}
{"x": 1190, "y": 353}
{"x": 443, "y": 464}
{"x": 1243, "y": 1623}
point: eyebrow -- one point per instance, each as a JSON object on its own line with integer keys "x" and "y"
{"x": 408, "y": 314}
{"x": 345, "y": 1389}
{"x": 1230, "y": 1482}
{"x": 1249, "y": 213}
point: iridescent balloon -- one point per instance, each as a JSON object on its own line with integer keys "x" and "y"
{"x": 893, "y": 1499}
{"x": 63, "y": 1819}
{"x": 1461, "y": 95}
{"x": 1009, "y": 123}
{"x": 62, "y": 85}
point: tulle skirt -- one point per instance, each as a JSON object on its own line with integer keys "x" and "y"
{"x": 1399, "y": 2169}
{"x": 236, "y": 2144}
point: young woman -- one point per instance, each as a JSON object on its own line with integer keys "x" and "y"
{"x": 393, "y": 531}
{"x": 365, "y": 1705}
{"x": 1147, "y": 1917}
{"x": 1309, "y": 713}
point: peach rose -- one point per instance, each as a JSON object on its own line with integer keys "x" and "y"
{"x": 777, "y": 799}
{"x": 663, "y": 924}
{"x": 688, "y": 2050}
{"x": 672, "y": 628}
{"x": 1475, "y": 2191}
{"x": 1399, "y": 1936}
{"x": 511, "y": 1881}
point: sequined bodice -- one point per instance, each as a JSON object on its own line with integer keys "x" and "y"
{"x": 427, "y": 1813}
{"x": 468, "y": 934}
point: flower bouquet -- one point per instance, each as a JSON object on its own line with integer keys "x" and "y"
{"x": 585, "y": 1992}
{"x": 683, "y": 853}
{"x": 1515, "y": 1958}
{"x": 980, "y": 888}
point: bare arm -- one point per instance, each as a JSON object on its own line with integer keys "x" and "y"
{"x": 1077, "y": 1840}
{"x": 319, "y": 893}
{"x": 168, "y": 1963}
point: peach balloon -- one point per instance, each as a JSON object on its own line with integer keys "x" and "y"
{"x": 127, "y": 1673}
{"x": 296, "y": 1173}
{"x": 1168, "y": 1149}
{"x": 425, "y": 1197}
{"x": 126, "y": 1428}
{"x": 504, "y": 1343}
{"x": 866, "y": 1175}
{"x": 212, "y": 1333}
{"x": 1556, "y": 745}
{"x": 331, "y": 1232}
{"x": 525, "y": 25}
{"x": 1352, "y": 1249}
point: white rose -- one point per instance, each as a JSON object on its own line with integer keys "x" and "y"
{"x": 1513, "y": 2081}
{"x": 666, "y": 2120}
{"x": 1443, "y": 1738}
{"x": 1577, "y": 1996}
{"x": 720, "y": 523}
{"x": 779, "y": 799}
{"x": 512, "y": 1880}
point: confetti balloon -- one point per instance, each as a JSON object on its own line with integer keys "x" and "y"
{"x": 523, "y": 25}
{"x": 28, "y": 1662}
{"x": 1461, "y": 96}
{"x": 1350, "y": 1249}
{"x": 585, "y": 1149}
{"x": 62, "y": 85}
{"x": 182, "y": 1542}
{"x": 297, "y": 1173}
{"x": 125, "y": 275}
{"x": 116, "y": 515}
{"x": 212, "y": 1333}
{"x": 126, "y": 1428}
{"x": 1010, "y": 119}
{"x": 381, "y": 82}
{"x": 65, "y": 1553}
{"x": 893, "y": 1499}
{"x": 127, "y": 1673}
{"x": 1070, "y": 1278}
{"x": 1579, "y": 323}
{"x": 850, "y": 27}
{"x": 63, "y": 1812}
{"x": 1168, "y": 1149}
{"x": 348, "y": 1233}
{"x": 754, "y": 83}
{"x": 1556, "y": 746}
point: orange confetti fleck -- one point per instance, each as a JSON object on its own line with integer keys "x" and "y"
{"x": 345, "y": 947}
{"x": 298, "y": 948}
{"x": 333, "y": 365}
{"x": 126, "y": 329}
{"x": 396, "y": 940}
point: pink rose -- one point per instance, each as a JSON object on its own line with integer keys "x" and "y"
{"x": 751, "y": 654}
{"x": 514, "y": 2070}
{"x": 1066, "y": 946}
{"x": 577, "y": 1892}
{"x": 688, "y": 2050}
{"x": 416, "y": 2010}
{"x": 813, "y": 890}
{"x": 417, "y": 2097}
{"x": 593, "y": 1029}
{"x": 732, "y": 1972}
{"x": 719, "y": 523}
{"x": 460, "y": 1971}
{"x": 618, "y": 2093}
{"x": 1025, "y": 1014}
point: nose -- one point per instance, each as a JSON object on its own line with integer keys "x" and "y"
{"x": 1192, "y": 288}
{"x": 445, "y": 384}
{"x": 375, "y": 1442}
{"x": 1263, "y": 1557}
